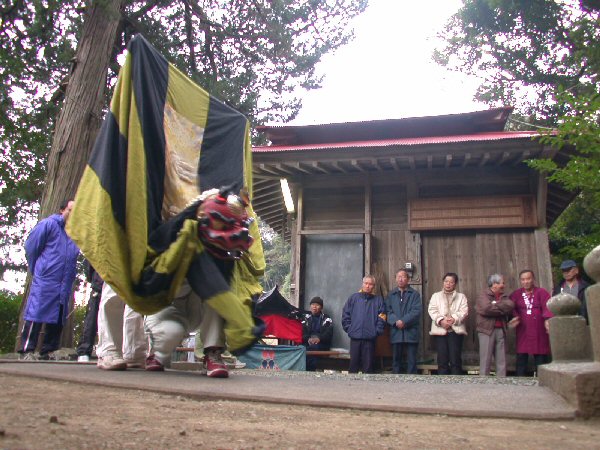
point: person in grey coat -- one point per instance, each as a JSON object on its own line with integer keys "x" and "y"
{"x": 404, "y": 308}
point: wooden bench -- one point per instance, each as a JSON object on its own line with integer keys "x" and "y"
{"x": 427, "y": 369}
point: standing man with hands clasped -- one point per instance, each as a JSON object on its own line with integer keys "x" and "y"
{"x": 363, "y": 318}
{"x": 404, "y": 308}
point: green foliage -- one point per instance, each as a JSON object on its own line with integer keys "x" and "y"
{"x": 9, "y": 320}
{"x": 579, "y": 129}
{"x": 543, "y": 58}
{"x": 576, "y": 232}
{"x": 278, "y": 260}
{"x": 78, "y": 319}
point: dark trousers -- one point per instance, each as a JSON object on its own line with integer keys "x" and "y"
{"x": 411, "y": 357}
{"x": 449, "y": 354}
{"x": 311, "y": 361}
{"x": 31, "y": 333}
{"x": 523, "y": 358}
{"x": 90, "y": 325}
{"x": 362, "y": 354}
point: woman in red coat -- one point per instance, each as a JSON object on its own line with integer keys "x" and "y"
{"x": 530, "y": 319}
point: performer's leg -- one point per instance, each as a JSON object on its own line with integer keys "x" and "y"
{"x": 135, "y": 343}
{"x": 167, "y": 328}
{"x": 110, "y": 324}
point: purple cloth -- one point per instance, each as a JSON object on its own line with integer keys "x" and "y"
{"x": 532, "y": 337}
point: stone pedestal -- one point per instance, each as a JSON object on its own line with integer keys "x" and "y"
{"x": 570, "y": 339}
{"x": 593, "y": 306}
{"x": 577, "y": 382}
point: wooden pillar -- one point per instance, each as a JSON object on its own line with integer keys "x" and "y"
{"x": 297, "y": 257}
{"x": 368, "y": 240}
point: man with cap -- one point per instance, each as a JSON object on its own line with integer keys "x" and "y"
{"x": 573, "y": 284}
{"x": 317, "y": 331}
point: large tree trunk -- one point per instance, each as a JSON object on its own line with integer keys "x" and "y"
{"x": 81, "y": 115}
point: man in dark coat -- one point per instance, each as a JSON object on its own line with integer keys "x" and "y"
{"x": 363, "y": 318}
{"x": 51, "y": 257}
{"x": 317, "y": 331}
{"x": 404, "y": 309}
{"x": 572, "y": 283}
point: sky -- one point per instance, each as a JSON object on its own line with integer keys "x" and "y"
{"x": 387, "y": 72}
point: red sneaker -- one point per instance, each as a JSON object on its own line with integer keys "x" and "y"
{"x": 153, "y": 364}
{"x": 215, "y": 367}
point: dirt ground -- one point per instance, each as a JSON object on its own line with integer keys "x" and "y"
{"x": 40, "y": 414}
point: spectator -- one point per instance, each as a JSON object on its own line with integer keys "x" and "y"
{"x": 573, "y": 284}
{"x": 90, "y": 323}
{"x": 493, "y": 307}
{"x": 448, "y": 310}
{"x": 531, "y": 321}
{"x": 51, "y": 257}
{"x": 363, "y": 319}
{"x": 404, "y": 309}
{"x": 317, "y": 331}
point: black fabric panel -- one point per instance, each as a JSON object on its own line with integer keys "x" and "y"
{"x": 150, "y": 80}
{"x": 165, "y": 234}
{"x": 208, "y": 276}
{"x": 152, "y": 282}
{"x": 109, "y": 162}
{"x": 222, "y": 153}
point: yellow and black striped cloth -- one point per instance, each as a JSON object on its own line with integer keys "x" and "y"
{"x": 164, "y": 140}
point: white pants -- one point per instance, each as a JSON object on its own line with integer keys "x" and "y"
{"x": 120, "y": 328}
{"x": 167, "y": 328}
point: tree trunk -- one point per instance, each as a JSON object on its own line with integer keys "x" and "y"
{"x": 81, "y": 114}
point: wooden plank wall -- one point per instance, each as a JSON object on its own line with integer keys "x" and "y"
{"x": 334, "y": 208}
{"x": 473, "y": 213}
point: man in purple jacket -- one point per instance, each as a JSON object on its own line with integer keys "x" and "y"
{"x": 363, "y": 319}
{"x": 51, "y": 257}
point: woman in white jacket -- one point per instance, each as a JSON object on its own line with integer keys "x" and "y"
{"x": 448, "y": 310}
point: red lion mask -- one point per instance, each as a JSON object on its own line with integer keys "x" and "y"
{"x": 223, "y": 224}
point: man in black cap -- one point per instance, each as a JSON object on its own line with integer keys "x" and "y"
{"x": 573, "y": 284}
{"x": 317, "y": 331}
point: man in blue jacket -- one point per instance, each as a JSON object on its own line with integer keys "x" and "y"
{"x": 363, "y": 319}
{"x": 51, "y": 257}
{"x": 403, "y": 309}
